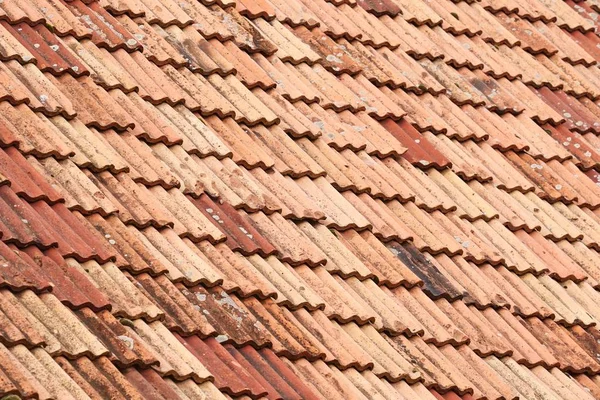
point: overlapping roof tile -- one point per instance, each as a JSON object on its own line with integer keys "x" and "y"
{"x": 270, "y": 199}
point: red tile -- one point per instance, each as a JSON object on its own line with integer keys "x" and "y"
{"x": 69, "y": 285}
{"x": 380, "y": 8}
{"x": 51, "y": 54}
{"x": 420, "y": 151}
{"x": 20, "y": 273}
{"x": 107, "y": 32}
{"x": 241, "y": 234}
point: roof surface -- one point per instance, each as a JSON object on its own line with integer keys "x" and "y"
{"x": 299, "y": 199}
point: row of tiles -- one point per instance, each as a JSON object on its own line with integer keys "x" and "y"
{"x": 353, "y": 353}
{"x": 141, "y": 236}
{"x": 457, "y": 19}
{"x": 104, "y": 107}
{"x": 388, "y": 213}
{"x": 293, "y": 331}
{"x": 549, "y": 169}
{"x": 277, "y": 70}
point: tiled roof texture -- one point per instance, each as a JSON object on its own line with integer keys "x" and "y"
{"x": 299, "y": 199}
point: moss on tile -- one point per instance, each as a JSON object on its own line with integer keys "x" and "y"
{"x": 11, "y": 397}
{"x": 127, "y": 322}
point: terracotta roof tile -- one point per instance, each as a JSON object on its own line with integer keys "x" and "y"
{"x": 419, "y": 14}
{"x": 21, "y": 273}
{"x": 241, "y": 234}
{"x": 150, "y": 384}
{"x": 40, "y": 45}
{"x": 245, "y": 33}
{"x": 380, "y": 8}
{"x": 127, "y": 300}
{"x": 24, "y": 179}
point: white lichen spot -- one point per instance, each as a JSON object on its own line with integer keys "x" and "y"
{"x": 226, "y": 300}
{"x": 131, "y": 42}
{"x": 112, "y": 241}
{"x": 369, "y": 161}
{"x": 577, "y": 145}
{"x": 222, "y": 338}
{"x": 43, "y": 98}
{"x": 459, "y": 240}
{"x": 587, "y": 154}
{"x": 24, "y": 221}
{"x": 54, "y": 47}
{"x": 36, "y": 45}
{"x": 75, "y": 68}
{"x": 334, "y": 59}
{"x": 567, "y": 115}
{"x": 201, "y": 296}
{"x": 127, "y": 340}
{"x": 558, "y": 187}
